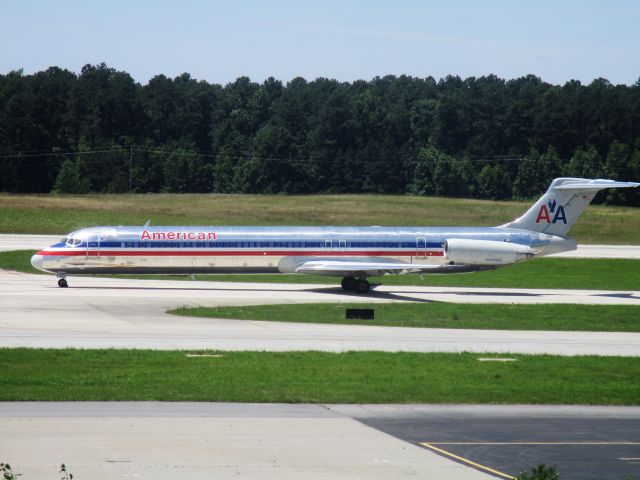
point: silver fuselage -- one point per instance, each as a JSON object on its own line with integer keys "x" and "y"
{"x": 191, "y": 250}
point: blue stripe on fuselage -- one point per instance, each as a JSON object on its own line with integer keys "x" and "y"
{"x": 256, "y": 244}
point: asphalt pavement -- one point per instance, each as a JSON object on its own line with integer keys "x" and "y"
{"x": 583, "y": 443}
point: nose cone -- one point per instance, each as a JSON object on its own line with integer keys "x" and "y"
{"x": 36, "y": 261}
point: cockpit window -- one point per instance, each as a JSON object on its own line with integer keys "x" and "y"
{"x": 64, "y": 240}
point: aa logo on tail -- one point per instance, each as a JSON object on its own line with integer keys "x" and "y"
{"x": 551, "y": 208}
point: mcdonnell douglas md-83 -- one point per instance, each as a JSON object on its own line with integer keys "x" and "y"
{"x": 354, "y": 253}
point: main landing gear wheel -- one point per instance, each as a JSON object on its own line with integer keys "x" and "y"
{"x": 349, "y": 283}
{"x": 363, "y": 286}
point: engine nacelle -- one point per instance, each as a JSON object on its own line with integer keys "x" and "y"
{"x": 485, "y": 252}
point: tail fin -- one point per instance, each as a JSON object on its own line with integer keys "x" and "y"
{"x": 563, "y": 203}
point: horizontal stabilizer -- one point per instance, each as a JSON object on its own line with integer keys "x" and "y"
{"x": 595, "y": 185}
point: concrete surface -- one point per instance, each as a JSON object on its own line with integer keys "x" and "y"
{"x": 204, "y": 441}
{"x": 9, "y": 242}
{"x": 122, "y": 313}
{"x": 603, "y": 251}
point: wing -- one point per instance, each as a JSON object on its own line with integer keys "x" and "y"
{"x": 350, "y": 268}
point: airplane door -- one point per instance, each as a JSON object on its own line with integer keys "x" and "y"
{"x": 93, "y": 246}
{"x": 328, "y": 245}
{"x": 421, "y": 247}
{"x": 343, "y": 245}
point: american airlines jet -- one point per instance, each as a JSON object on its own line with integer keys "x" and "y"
{"x": 354, "y": 253}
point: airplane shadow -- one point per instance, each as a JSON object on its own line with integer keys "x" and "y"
{"x": 372, "y": 294}
{"x": 496, "y": 294}
{"x": 630, "y": 296}
{"x": 410, "y": 296}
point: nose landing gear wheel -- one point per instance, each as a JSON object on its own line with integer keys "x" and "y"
{"x": 62, "y": 283}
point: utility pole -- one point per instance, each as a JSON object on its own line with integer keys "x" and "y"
{"x": 130, "y": 163}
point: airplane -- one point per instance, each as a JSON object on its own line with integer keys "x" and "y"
{"x": 354, "y": 253}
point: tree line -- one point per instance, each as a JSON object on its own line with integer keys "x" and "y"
{"x": 486, "y": 137}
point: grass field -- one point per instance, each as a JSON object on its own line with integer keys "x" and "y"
{"x": 567, "y": 273}
{"x": 315, "y": 377}
{"x": 600, "y": 318}
{"x": 59, "y": 214}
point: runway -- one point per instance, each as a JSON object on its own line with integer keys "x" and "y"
{"x": 602, "y": 251}
{"x": 36, "y": 242}
{"x": 10, "y": 241}
{"x": 121, "y": 313}
{"x": 106, "y": 440}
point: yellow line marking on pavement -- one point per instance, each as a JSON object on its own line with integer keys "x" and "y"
{"x": 537, "y": 443}
{"x": 467, "y": 461}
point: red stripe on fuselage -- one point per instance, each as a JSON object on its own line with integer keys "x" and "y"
{"x": 242, "y": 253}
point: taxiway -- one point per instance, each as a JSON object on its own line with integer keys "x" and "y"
{"x": 122, "y": 313}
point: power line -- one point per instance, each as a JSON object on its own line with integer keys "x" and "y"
{"x": 37, "y": 159}
{"x": 62, "y": 153}
{"x": 247, "y": 155}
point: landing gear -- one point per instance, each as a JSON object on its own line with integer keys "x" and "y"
{"x": 363, "y": 286}
{"x": 62, "y": 282}
{"x": 351, "y": 284}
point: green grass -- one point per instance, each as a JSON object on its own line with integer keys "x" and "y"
{"x": 597, "y": 318}
{"x": 18, "y": 260}
{"x": 60, "y": 214}
{"x": 315, "y": 377}
{"x": 568, "y": 273}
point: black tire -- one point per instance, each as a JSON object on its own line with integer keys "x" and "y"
{"x": 62, "y": 283}
{"x": 348, "y": 283}
{"x": 363, "y": 286}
